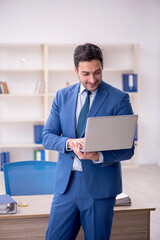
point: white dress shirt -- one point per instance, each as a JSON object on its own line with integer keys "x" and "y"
{"x": 80, "y": 102}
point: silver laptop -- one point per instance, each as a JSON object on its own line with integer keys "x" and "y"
{"x": 110, "y": 133}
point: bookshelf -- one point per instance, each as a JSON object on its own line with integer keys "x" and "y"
{"x": 23, "y": 65}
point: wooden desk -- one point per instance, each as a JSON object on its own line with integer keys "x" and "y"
{"x": 129, "y": 223}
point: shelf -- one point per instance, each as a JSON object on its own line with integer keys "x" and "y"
{"x": 21, "y": 95}
{"x": 130, "y": 70}
{"x": 21, "y": 145}
{"x": 62, "y": 70}
{"x": 27, "y": 95}
{"x": 21, "y": 70}
{"x": 32, "y": 120}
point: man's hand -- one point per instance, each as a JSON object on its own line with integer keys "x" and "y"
{"x": 77, "y": 146}
{"x": 73, "y": 141}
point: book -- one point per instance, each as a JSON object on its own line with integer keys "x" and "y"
{"x": 130, "y": 82}
{"x": 39, "y": 155}
{"x": 123, "y": 200}
{"x": 1, "y": 88}
{"x": 38, "y": 130}
{"x": 4, "y": 88}
{"x": 7, "y": 204}
{"x": 39, "y": 87}
{"x": 4, "y": 158}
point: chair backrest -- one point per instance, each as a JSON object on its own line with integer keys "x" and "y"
{"x": 29, "y": 177}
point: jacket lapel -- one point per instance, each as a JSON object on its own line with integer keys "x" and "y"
{"x": 71, "y": 109}
{"x": 98, "y": 101}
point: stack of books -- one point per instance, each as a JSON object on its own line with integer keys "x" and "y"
{"x": 123, "y": 200}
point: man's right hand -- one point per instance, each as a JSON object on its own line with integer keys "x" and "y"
{"x": 75, "y": 141}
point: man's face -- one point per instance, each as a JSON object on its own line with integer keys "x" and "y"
{"x": 90, "y": 74}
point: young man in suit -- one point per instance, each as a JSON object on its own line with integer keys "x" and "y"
{"x": 86, "y": 184}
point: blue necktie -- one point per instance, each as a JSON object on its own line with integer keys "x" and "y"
{"x": 83, "y": 115}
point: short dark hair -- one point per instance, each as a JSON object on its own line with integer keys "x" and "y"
{"x": 87, "y": 52}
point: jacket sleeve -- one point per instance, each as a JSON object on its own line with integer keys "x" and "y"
{"x": 110, "y": 157}
{"x": 51, "y": 138}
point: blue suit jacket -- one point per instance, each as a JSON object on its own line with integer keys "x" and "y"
{"x": 103, "y": 180}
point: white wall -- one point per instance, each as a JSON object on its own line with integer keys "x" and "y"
{"x": 99, "y": 21}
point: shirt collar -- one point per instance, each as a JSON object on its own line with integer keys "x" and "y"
{"x": 82, "y": 88}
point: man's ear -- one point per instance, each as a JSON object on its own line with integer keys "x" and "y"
{"x": 76, "y": 70}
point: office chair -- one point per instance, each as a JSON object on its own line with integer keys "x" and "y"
{"x": 29, "y": 177}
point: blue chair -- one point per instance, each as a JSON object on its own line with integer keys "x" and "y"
{"x": 29, "y": 177}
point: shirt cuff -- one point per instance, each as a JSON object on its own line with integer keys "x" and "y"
{"x": 100, "y": 158}
{"x": 68, "y": 149}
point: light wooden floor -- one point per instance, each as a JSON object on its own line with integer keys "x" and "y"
{"x": 142, "y": 182}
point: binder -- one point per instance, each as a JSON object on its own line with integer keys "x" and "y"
{"x": 7, "y": 204}
{"x": 38, "y": 130}
{"x": 4, "y": 158}
{"x": 130, "y": 82}
{"x": 42, "y": 155}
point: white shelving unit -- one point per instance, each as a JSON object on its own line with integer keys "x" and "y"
{"x": 120, "y": 59}
{"x": 22, "y": 65}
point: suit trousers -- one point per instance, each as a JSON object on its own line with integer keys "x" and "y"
{"x": 76, "y": 208}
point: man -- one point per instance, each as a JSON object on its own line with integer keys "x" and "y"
{"x": 86, "y": 184}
